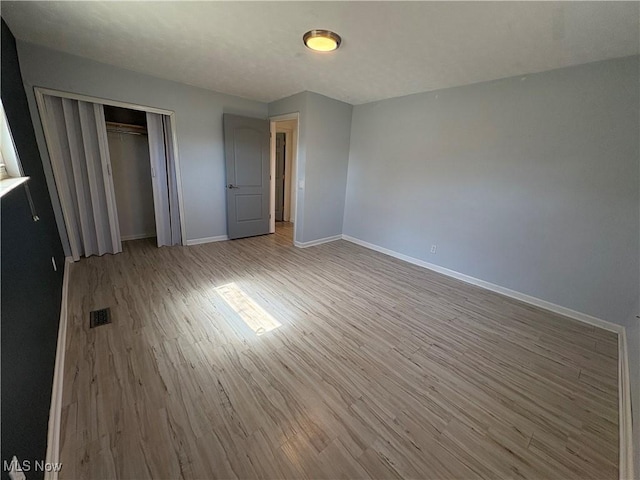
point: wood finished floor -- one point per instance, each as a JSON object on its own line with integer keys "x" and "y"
{"x": 284, "y": 230}
{"x": 379, "y": 369}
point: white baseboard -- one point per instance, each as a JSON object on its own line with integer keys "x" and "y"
{"x": 624, "y": 409}
{"x": 319, "y": 241}
{"x": 55, "y": 411}
{"x": 200, "y": 241}
{"x": 567, "y": 312}
{"x": 139, "y": 236}
{"x": 624, "y": 388}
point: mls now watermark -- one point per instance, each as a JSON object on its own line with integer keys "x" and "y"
{"x": 30, "y": 466}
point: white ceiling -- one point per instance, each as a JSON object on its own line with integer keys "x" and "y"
{"x": 255, "y": 50}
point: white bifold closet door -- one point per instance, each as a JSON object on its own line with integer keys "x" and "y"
{"x": 163, "y": 180}
{"x": 77, "y": 138}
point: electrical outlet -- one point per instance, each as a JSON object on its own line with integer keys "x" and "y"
{"x": 433, "y": 248}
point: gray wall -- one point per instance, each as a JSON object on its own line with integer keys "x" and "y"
{"x": 198, "y": 123}
{"x": 531, "y": 184}
{"x": 528, "y": 183}
{"x": 323, "y": 148}
{"x": 633, "y": 343}
{"x": 328, "y": 131}
{"x": 633, "y": 332}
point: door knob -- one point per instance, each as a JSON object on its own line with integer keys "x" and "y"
{"x": 232, "y": 186}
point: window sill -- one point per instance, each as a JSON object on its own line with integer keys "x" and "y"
{"x": 9, "y": 184}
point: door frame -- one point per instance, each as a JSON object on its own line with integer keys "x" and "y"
{"x": 279, "y": 131}
{"x": 40, "y": 92}
{"x": 289, "y": 173}
{"x": 294, "y": 168}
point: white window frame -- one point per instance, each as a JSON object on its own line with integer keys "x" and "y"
{"x": 9, "y": 158}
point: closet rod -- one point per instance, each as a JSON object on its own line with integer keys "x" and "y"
{"x": 113, "y": 130}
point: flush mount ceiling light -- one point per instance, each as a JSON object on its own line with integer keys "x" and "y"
{"x": 322, "y": 40}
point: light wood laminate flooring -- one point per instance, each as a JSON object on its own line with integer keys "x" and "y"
{"x": 255, "y": 359}
{"x": 285, "y": 231}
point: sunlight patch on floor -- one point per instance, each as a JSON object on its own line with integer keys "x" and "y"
{"x": 256, "y": 318}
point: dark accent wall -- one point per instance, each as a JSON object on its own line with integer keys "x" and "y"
{"x": 30, "y": 288}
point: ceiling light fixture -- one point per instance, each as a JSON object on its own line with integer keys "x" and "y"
{"x": 322, "y": 40}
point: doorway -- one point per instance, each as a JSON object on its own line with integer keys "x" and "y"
{"x": 280, "y": 176}
{"x": 131, "y": 170}
{"x": 284, "y": 130}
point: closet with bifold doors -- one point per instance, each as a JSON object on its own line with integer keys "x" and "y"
{"x": 115, "y": 172}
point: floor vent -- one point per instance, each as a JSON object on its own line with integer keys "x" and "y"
{"x": 100, "y": 317}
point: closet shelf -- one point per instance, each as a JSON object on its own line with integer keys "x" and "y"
{"x": 114, "y": 127}
{"x": 9, "y": 184}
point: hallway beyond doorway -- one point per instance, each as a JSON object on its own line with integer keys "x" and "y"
{"x": 284, "y": 231}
